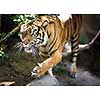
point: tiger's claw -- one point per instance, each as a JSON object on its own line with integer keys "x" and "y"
{"x": 34, "y": 72}
{"x": 73, "y": 71}
{"x": 73, "y": 75}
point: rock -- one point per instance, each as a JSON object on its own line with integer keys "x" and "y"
{"x": 85, "y": 78}
{"x": 46, "y": 80}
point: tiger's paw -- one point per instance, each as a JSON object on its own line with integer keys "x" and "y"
{"x": 73, "y": 71}
{"x": 38, "y": 71}
{"x": 35, "y": 72}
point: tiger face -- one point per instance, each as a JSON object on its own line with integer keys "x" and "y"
{"x": 39, "y": 36}
{"x": 33, "y": 35}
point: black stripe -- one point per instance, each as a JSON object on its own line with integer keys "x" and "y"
{"x": 44, "y": 52}
{"x": 44, "y": 45}
{"x": 40, "y": 34}
{"x": 75, "y": 56}
{"x": 44, "y": 56}
{"x": 76, "y": 48}
{"x": 48, "y": 34}
{"x": 53, "y": 44}
{"x": 53, "y": 36}
{"x": 77, "y": 43}
{"x": 43, "y": 35}
{"x": 73, "y": 53}
{"x": 38, "y": 29}
{"x": 53, "y": 39}
{"x": 53, "y": 51}
{"x": 75, "y": 40}
{"x": 74, "y": 35}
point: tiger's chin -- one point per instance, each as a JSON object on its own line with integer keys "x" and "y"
{"x": 27, "y": 48}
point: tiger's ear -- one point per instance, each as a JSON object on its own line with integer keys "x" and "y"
{"x": 45, "y": 23}
{"x": 45, "y": 20}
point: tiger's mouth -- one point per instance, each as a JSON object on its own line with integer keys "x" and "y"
{"x": 27, "y": 48}
{"x": 21, "y": 46}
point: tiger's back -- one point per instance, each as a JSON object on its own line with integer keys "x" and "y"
{"x": 71, "y": 27}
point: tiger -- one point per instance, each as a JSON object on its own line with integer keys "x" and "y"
{"x": 48, "y": 34}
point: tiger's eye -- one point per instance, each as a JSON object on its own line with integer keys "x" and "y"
{"x": 34, "y": 31}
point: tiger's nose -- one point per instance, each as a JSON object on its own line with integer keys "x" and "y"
{"x": 25, "y": 41}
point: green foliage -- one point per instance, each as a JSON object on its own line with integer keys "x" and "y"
{"x": 23, "y": 18}
{"x": 3, "y": 55}
{"x": 3, "y": 47}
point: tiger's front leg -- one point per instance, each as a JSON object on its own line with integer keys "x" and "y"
{"x": 48, "y": 63}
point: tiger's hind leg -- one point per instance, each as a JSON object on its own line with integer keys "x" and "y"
{"x": 74, "y": 50}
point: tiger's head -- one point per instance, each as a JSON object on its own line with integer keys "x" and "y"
{"x": 33, "y": 35}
